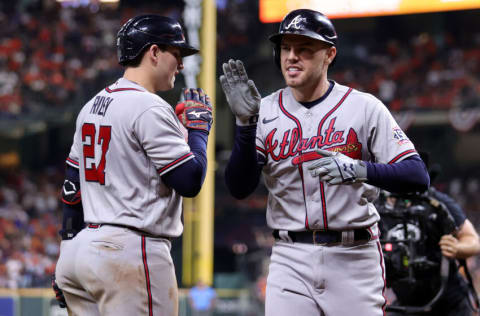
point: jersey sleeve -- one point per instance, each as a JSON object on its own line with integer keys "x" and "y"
{"x": 73, "y": 158}
{"x": 159, "y": 132}
{"x": 260, "y": 137}
{"x": 260, "y": 145}
{"x": 386, "y": 140}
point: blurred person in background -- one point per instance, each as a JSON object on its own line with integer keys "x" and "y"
{"x": 458, "y": 296}
{"x": 202, "y": 299}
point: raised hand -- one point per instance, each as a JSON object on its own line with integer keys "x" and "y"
{"x": 194, "y": 109}
{"x": 242, "y": 94}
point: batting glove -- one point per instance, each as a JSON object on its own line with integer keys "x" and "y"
{"x": 194, "y": 110}
{"x": 242, "y": 94}
{"x": 336, "y": 168}
{"x": 58, "y": 293}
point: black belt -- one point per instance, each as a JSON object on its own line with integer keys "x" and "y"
{"x": 92, "y": 225}
{"x": 325, "y": 236}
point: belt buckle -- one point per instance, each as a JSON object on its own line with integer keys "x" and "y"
{"x": 314, "y": 236}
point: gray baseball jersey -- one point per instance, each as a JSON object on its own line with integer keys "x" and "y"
{"x": 125, "y": 139}
{"x": 352, "y": 122}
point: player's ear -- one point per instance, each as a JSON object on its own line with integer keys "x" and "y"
{"x": 154, "y": 52}
{"x": 331, "y": 53}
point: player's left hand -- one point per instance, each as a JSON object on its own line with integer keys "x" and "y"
{"x": 58, "y": 293}
{"x": 336, "y": 168}
{"x": 241, "y": 93}
{"x": 194, "y": 109}
{"x": 448, "y": 245}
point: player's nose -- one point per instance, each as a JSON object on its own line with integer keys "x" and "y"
{"x": 292, "y": 54}
{"x": 180, "y": 64}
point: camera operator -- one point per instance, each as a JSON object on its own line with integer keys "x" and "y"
{"x": 461, "y": 243}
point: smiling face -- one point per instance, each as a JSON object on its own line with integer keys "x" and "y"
{"x": 304, "y": 63}
{"x": 169, "y": 65}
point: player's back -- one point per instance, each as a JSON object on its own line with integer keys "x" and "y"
{"x": 124, "y": 136}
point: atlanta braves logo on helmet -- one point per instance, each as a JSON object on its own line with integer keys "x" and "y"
{"x": 296, "y": 22}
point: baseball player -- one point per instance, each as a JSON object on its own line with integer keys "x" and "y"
{"x": 133, "y": 165}
{"x": 323, "y": 149}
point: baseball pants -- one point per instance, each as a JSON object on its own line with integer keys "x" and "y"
{"x": 116, "y": 271}
{"x": 307, "y": 279}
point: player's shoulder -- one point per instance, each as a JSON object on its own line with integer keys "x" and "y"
{"x": 269, "y": 104}
{"x": 356, "y": 96}
{"x": 272, "y": 96}
{"x": 272, "y": 99}
{"x": 128, "y": 90}
{"x": 359, "y": 95}
{"x": 133, "y": 97}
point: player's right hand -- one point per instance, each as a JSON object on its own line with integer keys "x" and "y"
{"x": 58, "y": 293}
{"x": 337, "y": 168}
{"x": 194, "y": 109}
{"x": 242, "y": 94}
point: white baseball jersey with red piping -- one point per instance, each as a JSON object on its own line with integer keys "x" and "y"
{"x": 352, "y": 122}
{"x": 125, "y": 138}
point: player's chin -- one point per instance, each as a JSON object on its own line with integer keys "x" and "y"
{"x": 170, "y": 84}
{"x": 166, "y": 86}
{"x": 293, "y": 82}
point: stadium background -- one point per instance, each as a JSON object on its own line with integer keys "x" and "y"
{"x": 54, "y": 57}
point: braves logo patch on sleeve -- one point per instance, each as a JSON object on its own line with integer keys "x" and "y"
{"x": 399, "y": 136}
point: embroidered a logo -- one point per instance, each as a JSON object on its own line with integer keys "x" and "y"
{"x": 296, "y": 22}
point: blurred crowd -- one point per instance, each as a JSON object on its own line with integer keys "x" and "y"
{"x": 428, "y": 71}
{"x": 55, "y": 59}
{"x": 29, "y": 224}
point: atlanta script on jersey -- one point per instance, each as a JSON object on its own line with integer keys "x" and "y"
{"x": 349, "y": 121}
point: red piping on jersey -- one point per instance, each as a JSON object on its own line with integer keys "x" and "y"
{"x": 401, "y": 155}
{"x": 372, "y": 234}
{"x": 324, "y": 205}
{"x": 175, "y": 162}
{"x": 331, "y": 111}
{"x": 290, "y": 116}
{"x": 300, "y": 170}
{"x": 261, "y": 150}
{"x": 379, "y": 247}
{"x": 299, "y": 152}
{"x": 147, "y": 276}
{"x": 121, "y": 89}
{"x": 72, "y": 161}
{"x": 319, "y": 132}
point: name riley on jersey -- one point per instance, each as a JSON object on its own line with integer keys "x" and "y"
{"x": 100, "y": 105}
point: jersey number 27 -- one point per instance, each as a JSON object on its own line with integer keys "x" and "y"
{"x": 95, "y": 173}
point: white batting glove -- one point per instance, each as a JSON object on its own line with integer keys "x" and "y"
{"x": 336, "y": 168}
{"x": 242, "y": 95}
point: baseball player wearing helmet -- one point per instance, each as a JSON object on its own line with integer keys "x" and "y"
{"x": 323, "y": 149}
{"x": 132, "y": 164}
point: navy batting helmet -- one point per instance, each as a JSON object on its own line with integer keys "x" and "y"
{"x": 305, "y": 22}
{"x": 144, "y": 30}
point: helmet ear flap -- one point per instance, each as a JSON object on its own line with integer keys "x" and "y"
{"x": 276, "y": 55}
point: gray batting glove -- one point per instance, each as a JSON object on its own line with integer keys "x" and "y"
{"x": 336, "y": 168}
{"x": 242, "y": 95}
